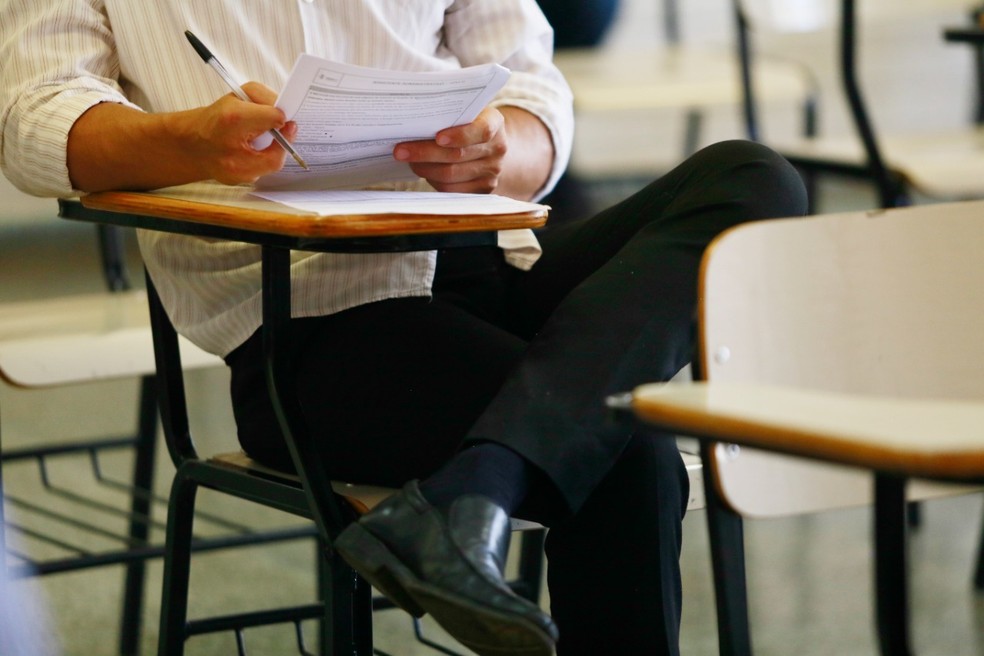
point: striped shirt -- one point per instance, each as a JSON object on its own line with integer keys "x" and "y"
{"x": 62, "y": 57}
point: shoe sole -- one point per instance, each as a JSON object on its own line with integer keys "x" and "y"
{"x": 485, "y": 631}
{"x": 376, "y": 564}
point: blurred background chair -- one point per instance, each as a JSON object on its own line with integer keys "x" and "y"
{"x": 903, "y": 165}
{"x": 648, "y": 92}
{"x": 76, "y": 504}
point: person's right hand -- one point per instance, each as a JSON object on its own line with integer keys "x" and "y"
{"x": 226, "y": 129}
{"x": 113, "y": 146}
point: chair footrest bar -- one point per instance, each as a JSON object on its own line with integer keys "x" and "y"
{"x": 33, "y": 453}
{"x": 200, "y": 545}
{"x": 241, "y": 621}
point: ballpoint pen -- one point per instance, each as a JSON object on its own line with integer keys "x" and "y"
{"x": 210, "y": 59}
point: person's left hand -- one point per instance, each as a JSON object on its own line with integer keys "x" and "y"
{"x": 465, "y": 158}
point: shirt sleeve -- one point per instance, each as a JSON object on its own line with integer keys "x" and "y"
{"x": 515, "y": 33}
{"x": 58, "y": 61}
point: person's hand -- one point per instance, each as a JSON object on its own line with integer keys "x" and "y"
{"x": 113, "y": 146}
{"x": 466, "y": 158}
{"x": 225, "y": 131}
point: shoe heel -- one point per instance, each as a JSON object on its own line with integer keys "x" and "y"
{"x": 373, "y": 561}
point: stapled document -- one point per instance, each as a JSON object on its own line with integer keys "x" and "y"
{"x": 349, "y": 118}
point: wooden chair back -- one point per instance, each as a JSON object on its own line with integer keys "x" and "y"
{"x": 865, "y": 303}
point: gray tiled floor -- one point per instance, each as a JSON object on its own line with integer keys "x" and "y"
{"x": 809, "y": 577}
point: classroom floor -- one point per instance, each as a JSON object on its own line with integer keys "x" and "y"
{"x": 809, "y": 577}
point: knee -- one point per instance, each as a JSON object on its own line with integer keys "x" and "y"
{"x": 764, "y": 179}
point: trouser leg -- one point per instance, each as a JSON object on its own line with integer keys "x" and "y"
{"x": 611, "y": 305}
{"x": 613, "y": 570}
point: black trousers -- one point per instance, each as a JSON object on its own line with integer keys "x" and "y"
{"x": 526, "y": 359}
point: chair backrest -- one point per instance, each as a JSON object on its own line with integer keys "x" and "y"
{"x": 794, "y": 16}
{"x": 879, "y": 303}
{"x": 81, "y": 338}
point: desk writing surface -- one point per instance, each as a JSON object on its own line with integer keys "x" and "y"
{"x": 235, "y": 207}
{"x": 931, "y": 438}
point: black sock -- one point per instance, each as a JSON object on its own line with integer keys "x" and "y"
{"x": 489, "y": 469}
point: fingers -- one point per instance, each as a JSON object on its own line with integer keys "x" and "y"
{"x": 254, "y": 117}
{"x": 484, "y": 137}
{"x": 260, "y": 93}
{"x": 466, "y": 158}
{"x": 477, "y": 177}
{"x": 230, "y": 126}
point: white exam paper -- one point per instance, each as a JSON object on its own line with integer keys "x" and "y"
{"x": 341, "y": 202}
{"x": 349, "y": 118}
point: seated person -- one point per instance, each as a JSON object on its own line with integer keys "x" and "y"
{"x": 473, "y": 378}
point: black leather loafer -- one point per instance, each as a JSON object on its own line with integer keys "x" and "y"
{"x": 449, "y": 565}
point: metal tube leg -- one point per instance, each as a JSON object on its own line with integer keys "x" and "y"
{"x": 979, "y": 571}
{"x": 891, "y": 581}
{"x": 530, "y": 583}
{"x": 3, "y": 533}
{"x": 177, "y": 566}
{"x": 140, "y": 505}
{"x": 113, "y": 257}
{"x": 347, "y": 624}
{"x": 727, "y": 545}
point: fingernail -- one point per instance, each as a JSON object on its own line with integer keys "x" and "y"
{"x": 443, "y": 140}
{"x": 401, "y": 153}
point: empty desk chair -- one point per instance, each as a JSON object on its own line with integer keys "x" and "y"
{"x": 853, "y": 339}
{"x": 72, "y": 504}
{"x": 942, "y": 164}
{"x": 655, "y": 90}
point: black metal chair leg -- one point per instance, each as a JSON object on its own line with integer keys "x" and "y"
{"x": 362, "y": 615}
{"x": 347, "y": 625}
{"x": 693, "y": 126}
{"x": 891, "y": 580}
{"x": 113, "y": 256}
{"x": 140, "y": 506}
{"x": 979, "y": 571}
{"x": 3, "y": 533}
{"x": 727, "y": 545}
{"x": 913, "y": 514}
{"x": 529, "y": 583}
{"x": 177, "y": 566}
{"x": 322, "y": 559}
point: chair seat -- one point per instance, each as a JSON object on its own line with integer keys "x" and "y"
{"x": 630, "y": 102}
{"x": 361, "y": 497}
{"x": 611, "y": 79}
{"x": 365, "y": 497}
{"x": 944, "y": 165}
{"x": 82, "y": 338}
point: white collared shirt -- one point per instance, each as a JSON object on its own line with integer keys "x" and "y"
{"x": 61, "y": 58}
